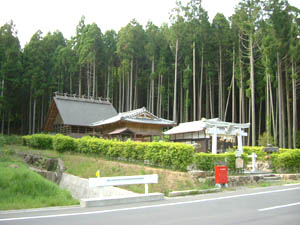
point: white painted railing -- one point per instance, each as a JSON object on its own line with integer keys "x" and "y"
{"x": 124, "y": 180}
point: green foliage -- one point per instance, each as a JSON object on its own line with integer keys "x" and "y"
{"x": 257, "y": 149}
{"x": 169, "y": 155}
{"x": 287, "y": 161}
{"x": 265, "y": 139}
{"x": 26, "y": 140}
{"x": 63, "y": 143}
{"x": 22, "y": 188}
{"x": 40, "y": 141}
{"x": 10, "y": 140}
{"x": 2, "y": 140}
{"x": 207, "y": 161}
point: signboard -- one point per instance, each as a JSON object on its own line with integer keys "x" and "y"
{"x": 123, "y": 180}
{"x": 239, "y": 163}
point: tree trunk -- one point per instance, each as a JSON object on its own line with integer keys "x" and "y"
{"x": 168, "y": 111}
{"x": 206, "y": 96}
{"x": 272, "y": 112}
{"x": 33, "y": 120}
{"x": 241, "y": 94}
{"x": 42, "y": 113}
{"x": 131, "y": 87}
{"x": 8, "y": 123}
{"x": 194, "y": 82}
{"x": 71, "y": 91}
{"x": 30, "y": 115}
{"x": 79, "y": 82}
{"x": 120, "y": 85}
{"x": 233, "y": 87}
{"x": 259, "y": 118}
{"x": 128, "y": 94}
{"x": 175, "y": 86}
{"x": 94, "y": 74}
{"x": 88, "y": 80}
{"x": 252, "y": 91}
{"x": 123, "y": 90}
{"x": 3, "y": 118}
{"x": 220, "y": 102}
{"x": 3, "y": 121}
{"x": 158, "y": 96}
{"x": 294, "y": 104}
{"x": 107, "y": 90}
{"x": 181, "y": 100}
{"x": 288, "y": 106}
{"x": 201, "y": 86}
{"x": 152, "y": 86}
{"x": 268, "y": 124}
{"x": 211, "y": 99}
{"x": 279, "y": 78}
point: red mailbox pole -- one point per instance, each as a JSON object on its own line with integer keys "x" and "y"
{"x": 221, "y": 175}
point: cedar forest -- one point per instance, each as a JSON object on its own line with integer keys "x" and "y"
{"x": 242, "y": 69}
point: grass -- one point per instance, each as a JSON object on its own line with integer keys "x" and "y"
{"x": 85, "y": 166}
{"x": 21, "y": 188}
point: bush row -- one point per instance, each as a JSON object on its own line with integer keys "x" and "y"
{"x": 287, "y": 161}
{"x": 170, "y": 155}
{"x": 40, "y": 141}
{"x": 207, "y": 161}
{"x": 9, "y": 139}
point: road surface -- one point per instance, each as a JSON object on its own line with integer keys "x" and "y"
{"x": 262, "y": 206}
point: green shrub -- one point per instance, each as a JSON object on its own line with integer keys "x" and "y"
{"x": 170, "y": 155}
{"x": 2, "y": 140}
{"x": 207, "y": 161}
{"x": 26, "y": 140}
{"x": 10, "y": 140}
{"x": 41, "y": 141}
{"x": 265, "y": 139}
{"x": 261, "y": 155}
{"x": 287, "y": 161}
{"x": 63, "y": 143}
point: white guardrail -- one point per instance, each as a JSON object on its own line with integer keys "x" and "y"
{"x": 124, "y": 180}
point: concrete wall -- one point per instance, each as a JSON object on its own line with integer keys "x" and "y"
{"x": 80, "y": 189}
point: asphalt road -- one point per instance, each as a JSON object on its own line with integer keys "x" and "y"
{"x": 261, "y": 206}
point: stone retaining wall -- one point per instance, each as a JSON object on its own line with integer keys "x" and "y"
{"x": 53, "y": 170}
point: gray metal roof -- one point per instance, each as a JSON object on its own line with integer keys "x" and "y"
{"x": 75, "y": 111}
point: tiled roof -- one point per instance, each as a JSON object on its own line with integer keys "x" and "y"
{"x": 136, "y": 116}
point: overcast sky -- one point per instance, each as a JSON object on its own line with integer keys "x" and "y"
{"x": 64, "y": 15}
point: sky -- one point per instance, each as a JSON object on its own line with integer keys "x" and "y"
{"x": 30, "y": 16}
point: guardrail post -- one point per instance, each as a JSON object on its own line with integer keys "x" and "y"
{"x": 146, "y": 189}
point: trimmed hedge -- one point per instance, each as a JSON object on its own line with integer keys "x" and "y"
{"x": 10, "y": 140}
{"x": 63, "y": 143}
{"x": 207, "y": 161}
{"x": 287, "y": 161}
{"x": 26, "y": 140}
{"x": 40, "y": 141}
{"x": 169, "y": 155}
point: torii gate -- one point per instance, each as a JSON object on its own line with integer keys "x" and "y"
{"x": 215, "y": 127}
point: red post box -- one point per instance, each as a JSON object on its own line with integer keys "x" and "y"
{"x": 221, "y": 176}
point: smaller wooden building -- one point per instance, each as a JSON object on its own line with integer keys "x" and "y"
{"x": 138, "y": 124}
{"x": 209, "y": 134}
